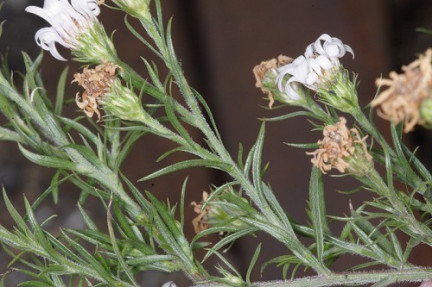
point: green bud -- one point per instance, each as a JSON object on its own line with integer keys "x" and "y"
{"x": 426, "y": 112}
{"x": 136, "y": 8}
{"x": 123, "y": 103}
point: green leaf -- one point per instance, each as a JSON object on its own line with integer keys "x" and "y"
{"x": 60, "y": 91}
{"x": 145, "y": 205}
{"x": 8, "y": 135}
{"x": 21, "y": 225}
{"x": 401, "y": 159}
{"x": 396, "y": 245}
{"x": 186, "y": 164}
{"x": 89, "y": 222}
{"x": 227, "y": 240}
{"x": 116, "y": 249}
{"x": 292, "y": 115}
{"x": 318, "y": 210}
{"x": 48, "y": 161}
{"x": 82, "y": 130}
{"x": 252, "y": 263}
{"x": 182, "y": 202}
{"x": 256, "y": 164}
{"x": 418, "y": 164}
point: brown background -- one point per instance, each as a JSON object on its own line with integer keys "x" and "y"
{"x": 219, "y": 41}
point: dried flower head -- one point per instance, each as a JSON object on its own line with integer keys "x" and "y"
{"x": 401, "y": 101}
{"x": 338, "y": 144}
{"x": 96, "y": 83}
{"x": 260, "y": 72}
{"x": 200, "y": 221}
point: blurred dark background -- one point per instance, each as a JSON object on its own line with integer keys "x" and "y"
{"x": 219, "y": 42}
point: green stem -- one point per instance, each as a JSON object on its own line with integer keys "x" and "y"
{"x": 346, "y": 279}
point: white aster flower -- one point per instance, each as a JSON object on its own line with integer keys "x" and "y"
{"x": 332, "y": 49}
{"x": 67, "y": 20}
{"x": 309, "y": 69}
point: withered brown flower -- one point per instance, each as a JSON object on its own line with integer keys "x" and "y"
{"x": 405, "y": 92}
{"x": 338, "y": 144}
{"x": 96, "y": 83}
{"x": 261, "y": 70}
{"x": 199, "y": 222}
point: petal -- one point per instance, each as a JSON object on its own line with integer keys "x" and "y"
{"x": 290, "y": 89}
{"x": 46, "y": 39}
{"x": 88, "y": 8}
{"x": 39, "y": 12}
{"x": 309, "y": 51}
{"x": 349, "y": 50}
{"x": 324, "y": 62}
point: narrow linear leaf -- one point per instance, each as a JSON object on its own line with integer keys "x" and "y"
{"x": 184, "y": 165}
{"x": 48, "y": 161}
{"x": 58, "y": 108}
{"x": 318, "y": 210}
{"x": 252, "y": 263}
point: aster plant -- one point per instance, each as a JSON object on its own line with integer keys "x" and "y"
{"x": 144, "y": 233}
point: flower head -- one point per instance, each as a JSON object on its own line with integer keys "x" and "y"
{"x": 317, "y": 66}
{"x": 96, "y": 83}
{"x": 407, "y": 94}
{"x": 215, "y": 211}
{"x": 68, "y": 20}
{"x": 340, "y": 148}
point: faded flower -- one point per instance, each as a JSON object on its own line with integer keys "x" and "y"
{"x": 337, "y": 147}
{"x": 405, "y": 93}
{"x": 96, "y": 83}
{"x": 266, "y": 73}
{"x": 200, "y": 222}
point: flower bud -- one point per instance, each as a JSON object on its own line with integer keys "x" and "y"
{"x": 123, "y": 103}
{"x": 136, "y": 8}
